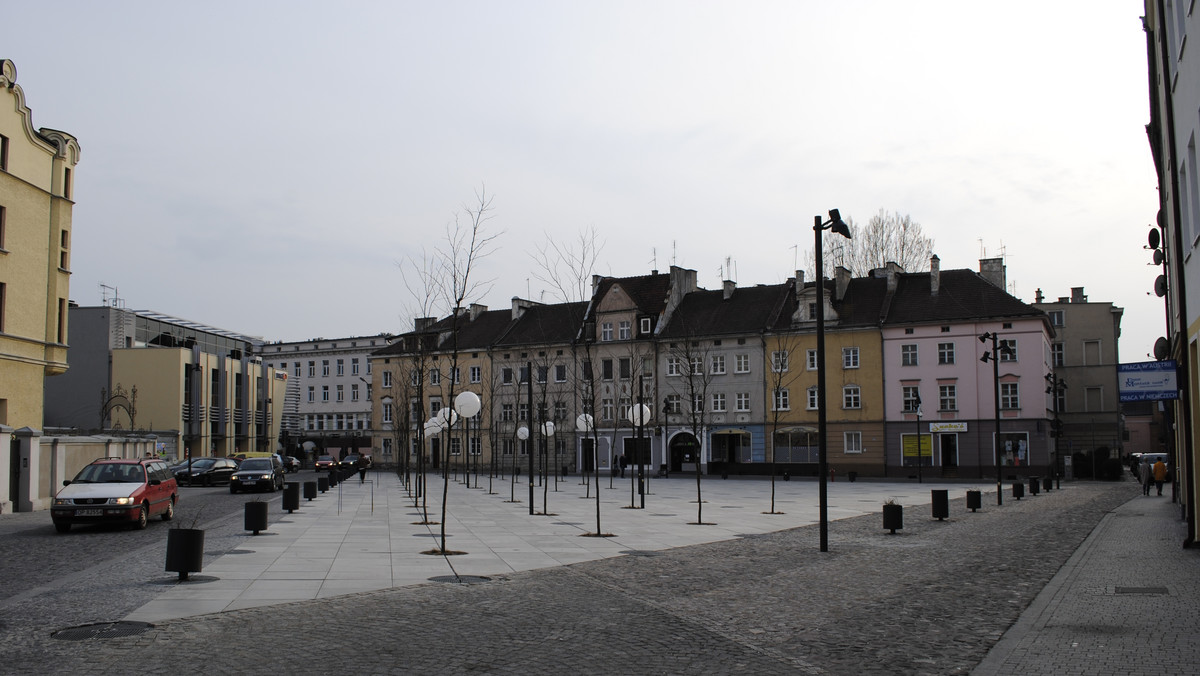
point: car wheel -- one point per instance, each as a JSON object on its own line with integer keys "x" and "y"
{"x": 143, "y": 517}
{"x": 62, "y": 527}
{"x": 206, "y": 481}
{"x": 170, "y": 513}
{"x": 232, "y": 488}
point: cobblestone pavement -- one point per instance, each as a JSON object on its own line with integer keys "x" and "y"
{"x": 933, "y": 599}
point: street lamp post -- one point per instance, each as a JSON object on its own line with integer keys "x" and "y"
{"x": 920, "y": 455}
{"x": 1055, "y": 387}
{"x": 838, "y": 226}
{"x": 468, "y": 406}
{"x": 998, "y": 347}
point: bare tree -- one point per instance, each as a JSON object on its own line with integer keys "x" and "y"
{"x": 689, "y": 379}
{"x": 886, "y": 238}
{"x": 781, "y": 374}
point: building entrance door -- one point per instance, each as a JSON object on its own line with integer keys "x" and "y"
{"x": 949, "y": 444}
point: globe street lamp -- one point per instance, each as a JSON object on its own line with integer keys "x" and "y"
{"x": 468, "y": 405}
{"x": 523, "y": 435}
{"x": 838, "y": 226}
{"x": 638, "y": 415}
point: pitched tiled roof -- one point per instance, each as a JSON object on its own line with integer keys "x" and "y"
{"x": 747, "y": 310}
{"x": 648, "y": 292}
{"x": 545, "y": 324}
{"x": 962, "y": 295}
{"x": 472, "y": 335}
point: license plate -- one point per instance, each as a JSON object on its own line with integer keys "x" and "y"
{"x": 89, "y": 512}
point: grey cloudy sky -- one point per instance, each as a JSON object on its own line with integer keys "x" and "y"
{"x": 264, "y": 166}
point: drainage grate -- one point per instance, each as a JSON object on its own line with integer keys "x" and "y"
{"x": 461, "y": 579}
{"x": 102, "y": 630}
{"x": 1161, "y": 591}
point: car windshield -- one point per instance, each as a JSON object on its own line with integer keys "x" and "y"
{"x": 256, "y": 464}
{"x": 326, "y": 458}
{"x": 203, "y": 463}
{"x": 110, "y": 472}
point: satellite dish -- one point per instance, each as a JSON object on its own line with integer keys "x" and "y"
{"x": 1154, "y": 239}
{"x": 1160, "y": 286}
{"x": 1159, "y": 257}
{"x": 1162, "y": 349}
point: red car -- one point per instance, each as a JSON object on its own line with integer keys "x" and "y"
{"x": 325, "y": 462}
{"x": 116, "y": 490}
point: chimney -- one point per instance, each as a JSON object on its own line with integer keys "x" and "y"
{"x": 1077, "y": 295}
{"x": 476, "y": 309}
{"x": 935, "y": 274}
{"x": 519, "y": 306}
{"x": 1037, "y": 296}
{"x": 596, "y": 283}
{"x": 422, "y": 323}
{"x": 992, "y": 269}
{"x": 727, "y": 288}
{"x": 893, "y": 278}
{"x": 841, "y": 277}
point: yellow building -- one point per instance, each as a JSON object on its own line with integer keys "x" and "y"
{"x": 36, "y": 169}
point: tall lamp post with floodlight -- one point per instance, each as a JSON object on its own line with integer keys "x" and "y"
{"x": 837, "y": 226}
{"x": 998, "y": 347}
{"x": 1055, "y": 387}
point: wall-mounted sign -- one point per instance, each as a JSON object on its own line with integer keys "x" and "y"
{"x": 1148, "y": 380}
{"x": 947, "y": 427}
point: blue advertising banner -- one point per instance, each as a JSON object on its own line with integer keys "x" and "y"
{"x": 1148, "y": 381}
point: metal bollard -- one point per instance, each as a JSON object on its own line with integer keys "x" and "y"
{"x": 1018, "y": 490}
{"x": 322, "y": 483}
{"x": 1035, "y": 484}
{"x": 974, "y": 500}
{"x": 291, "y": 496}
{"x": 941, "y": 503}
{"x": 310, "y": 490}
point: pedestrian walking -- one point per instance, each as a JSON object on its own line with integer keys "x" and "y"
{"x": 1160, "y": 474}
{"x": 1145, "y": 475}
{"x": 624, "y": 462}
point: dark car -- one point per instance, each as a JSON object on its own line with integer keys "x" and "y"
{"x": 349, "y": 462}
{"x": 291, "y": 464}
{"x": 258, "y": 474}
{"x": 325, "y": 462}
{"x": 206, "y": 471}
{"x": 116, "y": 490}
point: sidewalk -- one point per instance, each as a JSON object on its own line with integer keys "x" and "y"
{"x": 1127, "y": 602}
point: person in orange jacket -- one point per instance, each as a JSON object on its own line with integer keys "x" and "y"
{"x": 1160, "y": 475}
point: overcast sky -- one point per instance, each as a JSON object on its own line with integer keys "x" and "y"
{"x": 265, "y": 167}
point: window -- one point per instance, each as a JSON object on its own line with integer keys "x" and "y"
{"x": 673, "y": 366}
{"x": 1009, "y": 354}
{"x": 912, "y": 398}
{"x": 560, "y": 410}
{"x": 852, "y": 441}
{"x": 387, "y": 378}
{"x": 645, "y": 325}
{"x": 742, "y": 364}
{"x": 718, "y": 364}
{"x": 324, "y": 393}
{"x": 296, "y": 370}
{"x": 506, "y": 412}
{"x": 813, "y": 399}
{"x": 1056, "y": 317}
{"x": 506, "y": 447}
{"x": 695, "y": 367}
{"x": 781, "y": 400}
{"x": 435, "y": 377}
{"x": 673, "y": 403}
{"x": 523, "y": 374}
{"x": 718, "y": 402}
{"x": 560, "y": 373}
{"x": 851, "y": 397}
{"x": 354, "y": 366}
{"x": 606, "y": 331}
{"x": 587, "y": 371}
{"x": 413, "y": 378}
{"x": 606, "y": 409}
{"x": 387, "y": 413}
{"x": 849, "y": 357}
{"x": 945, "y": 353}
{"x": 626, "y": 367}
{"x": 779, "y": 361}
{"x": 743, "y": 401}
{"x": 3, "y": 152}
{"x": 456, "y": 375}
{"x": 341, "y": 367}
{"x": 606, "y": 369}
{"x": 312, "y": 394}
{"x": 3, "y": 215}
{"x": 810, "y": 360}
{"x": 697, "y": 402}
{"x": 506, "y": 375}
{"x": 623, "y": 330}
{"x": 543, "y": 372}
{"x": 1010, "y": 396}
{"x": 908, "y": 355}
{"x": 341, "y": 394}
{"x": 455, "y": 446}
{"x": 947, "y": 397}
{"x": 324, "y": 368}
{"x": 475, "y": 373}
{"x": 312, "y": 369}
{"x": 1057, "y": 355}
{"x": 354, "y": 392}
{"x": 3, "y": 295}
{"x": 1061, "y": 400}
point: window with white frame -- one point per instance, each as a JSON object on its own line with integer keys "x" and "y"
{"x": 1010, "y": 396}
{"x": 312, "y": 369}
{"x": 414, "y": 377}
{"x": 324, "y": 368}
{"x": 741, "y": 363}
{"x": 718, "y": 402}
{"x": 645, "y": 325}
{"x": 1056, "y": 317}
{"x": 324, "y": 393}
{"x": 354, "y": 392}
{"x": 780, "y": 399}
{"x": 506, "y": 447}
{"x": 852, "y": 442}
{"x": 911, "y": 398}
{"x": 810, "y": 360}
{"x": 717, "y": 364}
{"x": 947, "y": 397}
{"x": 743, "y": 401}
{"x": 849, "y": 357}
{"x": 813, "y": 398}
{"x": 341, "y": 367}
{"x": 523, "y": 411}
{"x": 606, "y": 409}
{"x": 606, "y": 331}
{"x": 779, "y": 361}
{"x": 475, "y": 373}
{"x": 696, "y": 366}
{"x": 673, "y": 366}
{"x": 341, "y": 394}
{"x": 354, "y": 366}
{"x": 945, "y": 353}
{"x": 506, "y": 412}
{"x": 697, "y": 402}
{"x": 673, "y": 403}
{"x": 296, "y": 370}
{"x": 624, "y": 330}
{"x": 387, "y": 413}
{"x": 435, "y": 377}
{"x": 560, "y": 410}
{"x": 560, "y": 373}
{"x": 312, "y": 394}
{"x": 506, "y": 375}
{"x": 543, "y": 372}
{"x": 851, "y": 397}
{"x": 625, "y": 367}
{"x": 1011, "y": 353}
{"x": 908, "y": 355}
{"x": 1058, "y": 355}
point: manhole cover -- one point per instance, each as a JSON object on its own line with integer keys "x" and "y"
{"x": 1141, "y": 590}
{"x": 102, "y": 630}
{"x": 461, "y": 579}
{"x": 640, "y": 552}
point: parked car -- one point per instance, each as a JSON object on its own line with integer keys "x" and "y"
{"x": 258, "y": 474}
{"x": 206, "y": 471}
{"x": 291, "y": 463}
{"x": 349, "y": 462}
{"x": 116, "y": 490}
{"x": 325, "y": 462}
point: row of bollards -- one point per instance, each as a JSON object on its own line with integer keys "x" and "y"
{"x": 256, "y": 511}
{"x": 893, "y": 514}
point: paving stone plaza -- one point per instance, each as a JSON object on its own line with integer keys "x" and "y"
{"x": 1087, "y": 579}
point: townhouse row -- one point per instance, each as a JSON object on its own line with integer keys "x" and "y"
{"x": 729, "y": 378}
